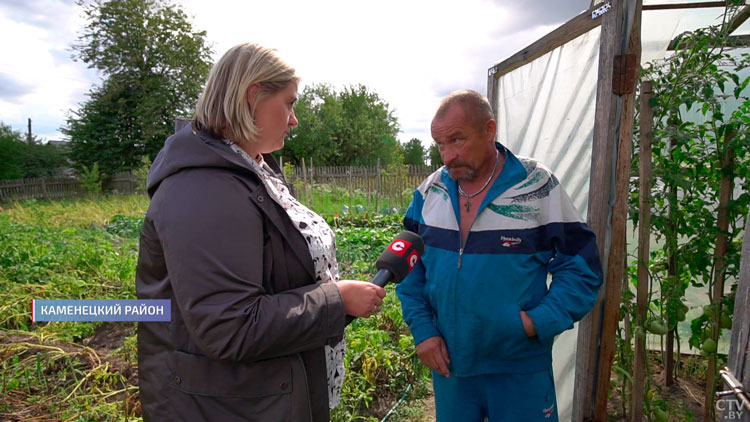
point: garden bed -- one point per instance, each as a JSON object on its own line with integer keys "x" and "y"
{"x": 87, "y": 248}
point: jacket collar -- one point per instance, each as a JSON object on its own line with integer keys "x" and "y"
{"x": 262, "y": 199}
{"x": 512, "y": 173}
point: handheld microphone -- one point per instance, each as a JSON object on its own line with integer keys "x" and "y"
{"x": 397, "y": 260}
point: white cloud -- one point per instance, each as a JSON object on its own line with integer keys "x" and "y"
{"x": 46, "y": 81}
{"x": 410, "y": 52}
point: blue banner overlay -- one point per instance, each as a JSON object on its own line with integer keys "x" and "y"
{"x": 101, "y": 310}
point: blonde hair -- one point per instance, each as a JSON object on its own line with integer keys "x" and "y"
{"x": 475, "y": 105}
{"x": 222, "y": 109}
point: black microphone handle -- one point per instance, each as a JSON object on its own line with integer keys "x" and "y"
{"x": 381, "y": 279}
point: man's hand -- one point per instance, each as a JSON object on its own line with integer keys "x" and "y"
{"x": 433, "y": 353}
{"x": 528, "y": 324}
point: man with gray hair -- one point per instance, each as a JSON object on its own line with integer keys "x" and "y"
{"x": 478, "y": 304}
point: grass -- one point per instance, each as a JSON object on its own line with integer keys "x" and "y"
{"x": 87, "y": 248}
{"x": 332, "y": 200}
{"x": 54, "y": 261}
{"x": 83, "y": 212}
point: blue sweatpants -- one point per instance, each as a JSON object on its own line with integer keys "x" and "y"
{"x": 496, "y": 398}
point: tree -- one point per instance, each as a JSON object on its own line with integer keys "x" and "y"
{"x": 319, "y": 113}
{"x": 11, "y": 150}
{"x": 351, "y": 127}
{"x": 43, "y": 160}
{"x": 434, "y": 153}
{"x": 370, "y": 130}
{"x": 414, "y": 152}
{"x": 19, "y": 159}
{"x": 153, "y": 64}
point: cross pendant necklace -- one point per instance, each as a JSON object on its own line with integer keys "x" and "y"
{"x": 468, "y": 196}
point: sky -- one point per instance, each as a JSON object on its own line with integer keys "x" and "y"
{"x": 410, "y": 52}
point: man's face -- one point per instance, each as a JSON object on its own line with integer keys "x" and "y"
{"x": 464, "y": 150}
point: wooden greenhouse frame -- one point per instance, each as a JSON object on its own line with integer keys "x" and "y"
{"x": 619, "y": 64}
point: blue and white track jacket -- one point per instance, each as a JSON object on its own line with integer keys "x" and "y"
{"x": 526, "y": 228}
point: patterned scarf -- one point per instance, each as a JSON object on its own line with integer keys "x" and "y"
{"x": 321, "y": 242}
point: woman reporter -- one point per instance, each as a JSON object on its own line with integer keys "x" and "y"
{"x": 258, "y": 309}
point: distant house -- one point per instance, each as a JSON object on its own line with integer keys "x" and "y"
{"x": 64, "y": 145}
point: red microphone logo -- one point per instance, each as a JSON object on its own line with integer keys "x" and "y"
{"x": 399, "y": 247}
{"x": 412, "y": 259}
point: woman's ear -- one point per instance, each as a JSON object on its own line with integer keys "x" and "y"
{"x": 252, "y": 91}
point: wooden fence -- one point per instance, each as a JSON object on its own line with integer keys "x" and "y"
{"x": 60, "y": 187}
{"x": 364, "y": 178}
{"x": 39, "y": 188}
{"x": 122, "y": 182}
{"x": 374, "y": 181}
